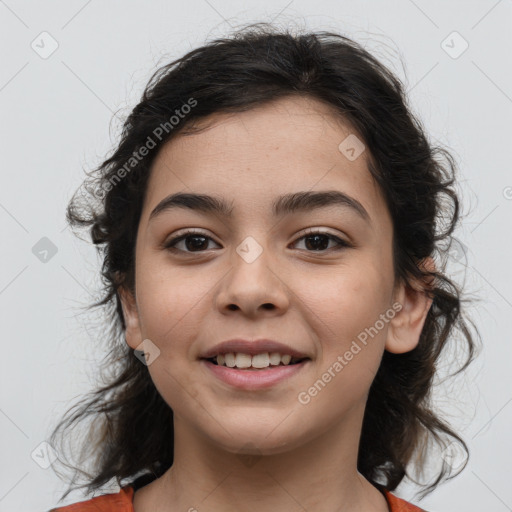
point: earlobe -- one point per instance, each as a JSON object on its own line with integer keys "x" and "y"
{"x": 405, "y": 328}
{"x": 131, "y": 318}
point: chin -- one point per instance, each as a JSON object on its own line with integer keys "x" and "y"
{"x": 256, "y": 442}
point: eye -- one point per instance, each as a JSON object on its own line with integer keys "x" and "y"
{"x": 319, "y": 241}
{"x": 196, "y": 242}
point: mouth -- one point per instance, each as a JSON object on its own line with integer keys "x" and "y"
{"x": 255, "y": 373}
{"x": 254, "y": 363}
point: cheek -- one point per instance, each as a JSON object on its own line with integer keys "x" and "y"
{"x": 346, "y": 313}
{"x": 352, "y": 297}
{"x": 167, "y": 300}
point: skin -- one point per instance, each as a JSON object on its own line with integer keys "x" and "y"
{"x": 305, "y": 455}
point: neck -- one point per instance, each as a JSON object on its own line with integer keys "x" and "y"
{"x": 316, "y": 476}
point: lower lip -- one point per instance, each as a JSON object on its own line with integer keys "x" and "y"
{"x": 254, "y": 379}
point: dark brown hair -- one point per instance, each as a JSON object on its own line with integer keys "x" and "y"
{"x": 132, "y": 430}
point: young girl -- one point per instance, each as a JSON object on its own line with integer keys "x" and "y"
{"x": 269, "y": 226}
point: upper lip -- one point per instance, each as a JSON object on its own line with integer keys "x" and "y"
{"x": 251, "y": 348}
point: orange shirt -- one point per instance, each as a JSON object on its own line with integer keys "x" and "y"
{"x": 123, "y": 502}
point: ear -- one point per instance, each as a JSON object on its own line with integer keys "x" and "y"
{"x": 406, "y": 326}
{"x": 133, "y": 332}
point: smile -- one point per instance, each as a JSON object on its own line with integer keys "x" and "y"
{"x": 257, "y": 361}
{"x": 250, "y": 378}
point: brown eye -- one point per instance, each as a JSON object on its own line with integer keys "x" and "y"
{"x": 318, "y": 241}
{"x": 193, "y": 241}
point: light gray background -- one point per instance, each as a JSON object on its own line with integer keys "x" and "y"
{"x": 56, "y": 121}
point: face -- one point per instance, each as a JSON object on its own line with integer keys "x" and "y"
{"x": 319, "y": 278}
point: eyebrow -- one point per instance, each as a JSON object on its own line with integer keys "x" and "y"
{"x": 283, "y": 205}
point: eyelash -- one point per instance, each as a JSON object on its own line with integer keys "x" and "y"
{"x": 342, "y": 244}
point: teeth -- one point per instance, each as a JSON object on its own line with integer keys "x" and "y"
{"x": 263, "y": 360}
{"x": 275, "y": 358}
{"x": 242, "y": 360}
{"x": 286, "y": 358}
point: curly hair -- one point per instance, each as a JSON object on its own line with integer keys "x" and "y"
{"x": 132, "y": 433}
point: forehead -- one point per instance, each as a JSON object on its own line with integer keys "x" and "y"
{"x": 289, "y": 145}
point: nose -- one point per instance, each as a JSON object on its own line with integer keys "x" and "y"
{"x": 253, "y": 287}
